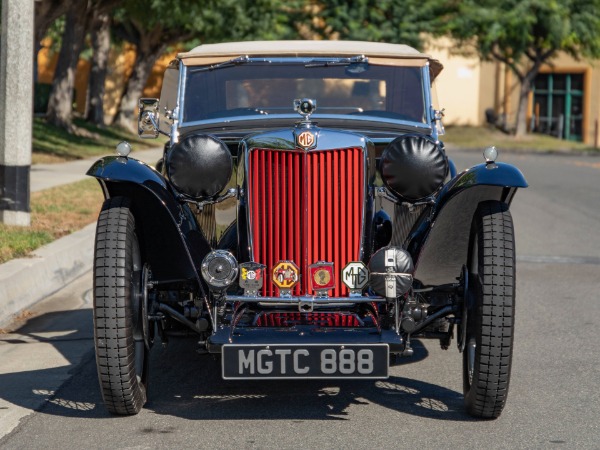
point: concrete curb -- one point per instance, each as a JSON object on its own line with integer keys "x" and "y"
{"x": 26, "y": 281}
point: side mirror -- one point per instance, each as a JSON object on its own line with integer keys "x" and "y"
{"x": 148, "y": 118}
{"x": 438, "y": 115}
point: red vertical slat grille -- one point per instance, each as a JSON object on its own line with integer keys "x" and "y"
{"x": 306, "y": 207}
{"x": 289, "y": 319}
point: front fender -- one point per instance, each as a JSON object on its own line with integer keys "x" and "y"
{"x": 171, "y": 240}
{"x": 129, "y": 170}
{"x": 439, "y": 242}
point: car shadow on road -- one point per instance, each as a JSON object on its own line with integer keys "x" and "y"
{"x": 41, "y": 354}
{"x": 198, "y": 393}
{"x": 187, "y": 385}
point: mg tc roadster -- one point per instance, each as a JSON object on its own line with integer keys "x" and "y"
{"x": 305, "y": 222}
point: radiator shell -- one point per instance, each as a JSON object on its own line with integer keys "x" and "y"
{"x": 306, "y": 205}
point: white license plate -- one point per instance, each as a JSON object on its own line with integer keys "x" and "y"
{"x": 307, "y": 361}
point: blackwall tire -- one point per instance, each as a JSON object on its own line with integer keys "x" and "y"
{"x": 121, "y": 356}
{"x": 487, "y": 357}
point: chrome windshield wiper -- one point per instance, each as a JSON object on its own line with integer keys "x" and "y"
{"x": 232, "y": 62}
{"x": 328, "y": 62}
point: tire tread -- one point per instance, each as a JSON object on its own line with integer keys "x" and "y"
{"x": 121, "y": 390}
{"x": 494, "y": 334}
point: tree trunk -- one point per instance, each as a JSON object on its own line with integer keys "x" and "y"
{"x": 46, "y": 12}
{"x": 60, "y": 104}
{"x": 526, "y": 85}
{"x": 101, "y": 48}
{"x": 521, "y": 120}
{"x": 149, "y": 49}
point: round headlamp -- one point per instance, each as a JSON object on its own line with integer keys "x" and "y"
{"x": 219, "y": 269}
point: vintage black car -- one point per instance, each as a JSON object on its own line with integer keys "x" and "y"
{"x": 305, "y": 222}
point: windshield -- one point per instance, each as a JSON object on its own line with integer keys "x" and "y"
{"x": 259, "y": 89}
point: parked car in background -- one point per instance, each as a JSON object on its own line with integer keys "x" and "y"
{"x": 305, "y": 222}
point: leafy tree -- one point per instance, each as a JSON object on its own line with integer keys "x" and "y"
{"x": 154, "y": 25}
{"x": 395, "y": 21}
{"x": 79, "y": 17}
{"x": 525, "y": 34}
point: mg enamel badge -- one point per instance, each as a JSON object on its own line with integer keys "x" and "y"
{"x": 321, "y": 276}
{"x": 285, "y": 276}
{"x": 251, "y": 277}
{"x": 356, "y": 276}
{"x": 306, "y": 140}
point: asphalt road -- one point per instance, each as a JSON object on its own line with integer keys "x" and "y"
{"x": 554, "y": 399}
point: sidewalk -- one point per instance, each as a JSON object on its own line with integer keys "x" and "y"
{"x": 26, "y": 281}
{"x": 44, "y": 176}
{"x": 37, "y": 358}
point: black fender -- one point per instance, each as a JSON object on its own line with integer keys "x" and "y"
{"x": 439, "y": 241}
{"x": 172, "y": 243}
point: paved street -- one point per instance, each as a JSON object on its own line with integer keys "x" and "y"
{"x": 554, "y": 399}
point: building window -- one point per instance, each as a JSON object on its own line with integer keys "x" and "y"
{"x": 558, "y": 105}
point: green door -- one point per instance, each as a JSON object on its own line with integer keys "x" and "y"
{"x": 558, "y": 105}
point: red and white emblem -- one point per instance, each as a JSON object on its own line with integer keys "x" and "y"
{"x": 251, "y": 277}
{"x": 306, "y": 139}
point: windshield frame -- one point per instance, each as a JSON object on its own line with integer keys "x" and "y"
{"x": 425, "y": 125}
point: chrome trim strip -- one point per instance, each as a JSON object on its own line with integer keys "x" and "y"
{"x": 426, "y": 80}
{"x": 295, "y": 300}
{"x": 180, "y": 102}
{"x": 315, "y": 117}
{"x": 366, "y": 197}
{"x": 245, "y": 190}
{"x": 312, "y": 58}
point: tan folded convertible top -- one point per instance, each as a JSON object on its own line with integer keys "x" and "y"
{"x": 377, "y": 52}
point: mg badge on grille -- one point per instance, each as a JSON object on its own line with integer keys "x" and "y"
{"x": 251, "y": 277}
{"x": 285, "y": 276}
{"x": 321, "y": 277}
{"x": 356, "y": 276}
{"x": 306, "y": 139}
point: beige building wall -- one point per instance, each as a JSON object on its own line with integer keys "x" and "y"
{"x": 467, "y": 87}
{"x": 458, "y": 85}
{"x": 490, "y": 93}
